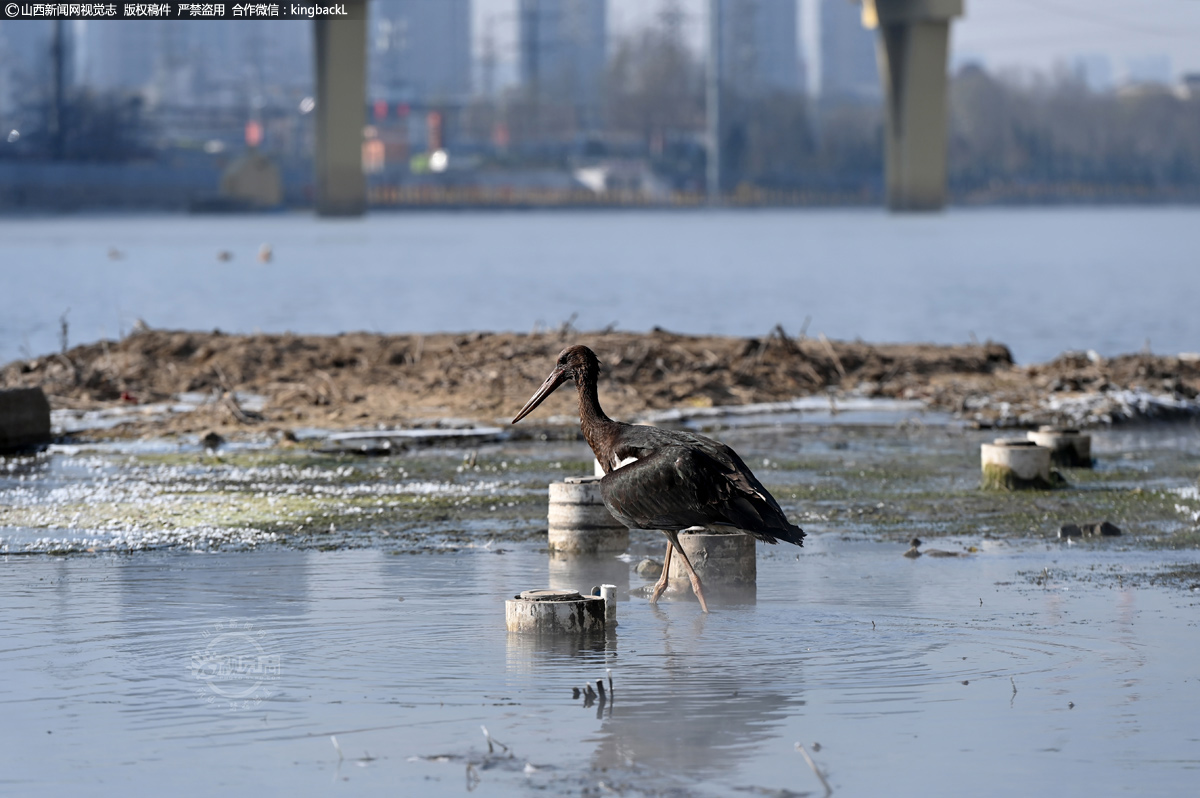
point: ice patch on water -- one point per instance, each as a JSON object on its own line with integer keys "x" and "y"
{"x": 1189, "y": 511}
{"x": 806, "y": 404}
{"x": 202, "y": 538}
{"x": 1121, "y": 405}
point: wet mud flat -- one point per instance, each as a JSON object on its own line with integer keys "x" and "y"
{"x": 181, "y": 620}
{"x": 908, "y": 474}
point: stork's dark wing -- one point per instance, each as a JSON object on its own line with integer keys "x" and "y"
{"x": 679, "y": 486}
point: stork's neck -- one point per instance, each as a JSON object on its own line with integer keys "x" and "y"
{"x": 597, "y": 427}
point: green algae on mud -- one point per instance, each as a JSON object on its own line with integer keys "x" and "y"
{"x": 997, "y": 477}
{"x": 887, "y": 482}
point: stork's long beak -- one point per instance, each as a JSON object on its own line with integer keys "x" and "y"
{"x": 556, "y": 378}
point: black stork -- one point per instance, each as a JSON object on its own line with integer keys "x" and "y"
{"x": 676, "y": 480}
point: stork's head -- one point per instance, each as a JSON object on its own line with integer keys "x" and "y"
{"x": 576, "y": 363}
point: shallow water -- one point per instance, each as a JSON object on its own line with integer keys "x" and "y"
{"x": 940, "y": 677}
{"x": 1042, "y": 280}
{"x": 1028, "y": 666}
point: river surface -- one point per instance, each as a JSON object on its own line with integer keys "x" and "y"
{"x": 916, "y": 677}
{"x": 1042, "y": 280}
{"x": 264, "y": 622}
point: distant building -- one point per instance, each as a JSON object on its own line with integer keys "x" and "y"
{"x": 1148, "y": 69}
{"x": 1096, "y": 71}
{"x": 420, "y": 50}
{"x": 119, "y": 55}
{"x": 563, "y": 50}
{"x": 231, "y": 62}
{"x": 24, "y": 64}
{"x": 759, "y": 52}
{"x": 1189, "y": 86}
{"x": 848, "y": 65}
{"x": 211, "y": 63}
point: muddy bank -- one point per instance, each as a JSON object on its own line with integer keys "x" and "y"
{"x": 365, "y": 380}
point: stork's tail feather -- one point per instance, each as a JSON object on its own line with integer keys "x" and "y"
{"x": 776, "y": 534}
{"x": 793, "y": 534}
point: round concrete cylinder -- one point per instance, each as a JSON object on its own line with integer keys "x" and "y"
{"x": 579, "y": 522}
{"x": 554, "y": 612}
{"x": 1068, "y": 447}
{"x": 721, "y": 560}
{"x": 1025, "y": 460}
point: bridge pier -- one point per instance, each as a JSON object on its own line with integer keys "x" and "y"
{"x": 913, "y": 42}
{"x": 341, "y": 56}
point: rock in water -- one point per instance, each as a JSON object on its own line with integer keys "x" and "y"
{"x": 649, "y": 569}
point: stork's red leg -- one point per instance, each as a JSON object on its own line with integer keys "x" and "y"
{"x": 661, "y": 585}
{"x": 697, "y": 588}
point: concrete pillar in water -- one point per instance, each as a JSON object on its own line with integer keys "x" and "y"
{"x": 914, "y": 38}
{"x": 341, "y": 56}
{"x": 1016, "y": 463}
{"x": 24, "y": 419}
{"x": 555, "y": 612}
{"x": 579, "y": 523}
{"x": 1069, "y": 448}
{"x": 724, "y": 561}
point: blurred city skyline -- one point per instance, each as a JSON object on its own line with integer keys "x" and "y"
{"x": 478, "y": 48}
{"x": 1135, "y": 39}
{"x": 1110, "y": 39}
{"x": 604, "y": 100}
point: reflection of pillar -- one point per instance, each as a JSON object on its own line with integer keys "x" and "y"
{"x": 914, "y": 37}
{"x": 341, "y": 54}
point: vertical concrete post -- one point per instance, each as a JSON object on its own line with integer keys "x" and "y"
{"x": 913, "y": 42}
{"x": 341, "y": 55}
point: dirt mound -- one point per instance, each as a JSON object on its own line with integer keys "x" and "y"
{"x": 360, "y": 379}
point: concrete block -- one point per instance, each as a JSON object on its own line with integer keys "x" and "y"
{"x": 555, "y": 612}
{"x": 721, "y": 559}
{"x": 1069, "y": 448}
{"x": 24, "y": 419}
{"x": 1017, "y": 463}
{"x": 579, "y": 523}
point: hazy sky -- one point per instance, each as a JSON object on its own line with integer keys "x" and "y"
{"x": 1033, "y": 34}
